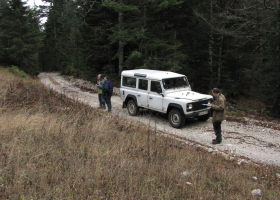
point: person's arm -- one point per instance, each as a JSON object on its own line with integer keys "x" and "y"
{"x": 219, "y": 105}
{"x": 101, "y": 85}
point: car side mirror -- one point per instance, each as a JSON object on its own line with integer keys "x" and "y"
{"x": 159, "y": 90}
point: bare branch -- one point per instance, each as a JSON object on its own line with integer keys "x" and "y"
{"x": 90, "y": 8}
{"x": 264, "y": 3}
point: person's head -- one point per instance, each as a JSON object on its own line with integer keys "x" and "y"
{"x": 99, "y": 76}
{"x": 106, "y": 78}
{"x": 215, "y": 92}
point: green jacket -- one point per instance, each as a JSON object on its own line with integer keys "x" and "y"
{"x": 100, "y": 86}
{"x": 219, "y": 108}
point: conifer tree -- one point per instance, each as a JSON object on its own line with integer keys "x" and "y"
{"x": 161, "y": 45}
{"x": 269, "y": 73}
{"x": 120, "y": 32}
{"x": 20, "y": 27}
{"x": 152, "y": 42}
{"x": 50, "y": 58}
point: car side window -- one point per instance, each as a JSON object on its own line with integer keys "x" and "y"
{"x": 143, "y": 84}
{"x": 129, "y": 82}
{"x": 155, "y": 86}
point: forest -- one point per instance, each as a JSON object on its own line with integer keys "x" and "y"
{"x": 229, "y": 44}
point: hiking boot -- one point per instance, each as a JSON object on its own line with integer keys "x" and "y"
{"x": 216, "y": 142}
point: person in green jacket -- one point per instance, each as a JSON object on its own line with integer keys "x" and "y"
{"x": 100, "y": 84}
{"x": 218, "y": 108}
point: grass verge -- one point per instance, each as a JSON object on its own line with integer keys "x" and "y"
{"x": 55, "y": 148}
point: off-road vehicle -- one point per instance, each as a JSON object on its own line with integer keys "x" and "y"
{"x": 165, "y": 92}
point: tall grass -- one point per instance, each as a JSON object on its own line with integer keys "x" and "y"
{"x": 55, "y": 148}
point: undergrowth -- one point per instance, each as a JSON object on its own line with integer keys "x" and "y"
{"x": 55, "y": 148}
{"x": 15, "y": 70}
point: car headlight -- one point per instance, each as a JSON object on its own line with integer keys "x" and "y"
{"x": 189, "y": 106}
{"x": 209, "y": 101}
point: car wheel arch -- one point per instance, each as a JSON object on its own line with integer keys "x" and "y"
{"x": 128, "y": 97}
{"x": 174, "y": 105}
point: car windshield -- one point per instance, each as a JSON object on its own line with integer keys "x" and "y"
{"x": 175, "y": 82}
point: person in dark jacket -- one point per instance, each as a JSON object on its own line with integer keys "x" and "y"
{"x": 100, "y": 84}
{"x": 218, "y": 108}
{"x": 107, "y": 92}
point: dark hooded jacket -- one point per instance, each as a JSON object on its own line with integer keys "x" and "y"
{"x": 108, "y": 88}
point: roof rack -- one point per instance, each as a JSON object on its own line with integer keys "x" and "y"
{"x": 141, "y": 75}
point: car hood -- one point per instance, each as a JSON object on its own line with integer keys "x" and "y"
{"x": 188, "y": 95}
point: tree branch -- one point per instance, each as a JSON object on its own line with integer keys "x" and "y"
{"x": 90, "y": 8}
{"x": 264, "y": 3}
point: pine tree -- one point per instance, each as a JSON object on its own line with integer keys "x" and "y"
{"x": 161, "y": 45}
{"x": 95, "y": 30}
{"x": 269, "y": 74}
{"x": 145, "y": 35}
{"x": 120, "y": 33}
{"x": 20, "y": 28}
{"x": 49, "y": 55}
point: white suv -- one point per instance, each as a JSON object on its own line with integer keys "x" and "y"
{"x": 165, "y": 92}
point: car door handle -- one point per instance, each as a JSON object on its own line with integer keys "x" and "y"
{"x": 150, "y": 98}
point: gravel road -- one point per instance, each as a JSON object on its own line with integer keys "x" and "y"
{"x": 242, "y": 142}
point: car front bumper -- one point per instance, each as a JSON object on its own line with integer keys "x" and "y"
{"x": 199, "y": 113}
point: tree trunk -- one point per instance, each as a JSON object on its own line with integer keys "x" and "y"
{"x": 220, "y": 59}
{"x": 144, "y": 28}
{"x": 121, "y": 44}
{"x": 210, "y": 48}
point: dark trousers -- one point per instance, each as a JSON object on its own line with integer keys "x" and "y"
{"x": 107, "y": 99}
{"x": 101, "y": 101}
{"x": 218, "y": 131}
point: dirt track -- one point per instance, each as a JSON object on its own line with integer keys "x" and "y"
{"x": 256, "y": 143}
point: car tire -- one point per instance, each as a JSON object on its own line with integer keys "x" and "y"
{"x": 176, "y": 119}
{"x": 132, "y": 108}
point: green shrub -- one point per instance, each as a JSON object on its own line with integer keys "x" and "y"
{"x": 22, "y": 74}
{"x": 15, "y": 70}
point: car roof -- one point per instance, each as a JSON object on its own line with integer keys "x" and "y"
{"x": 150, "y": 74}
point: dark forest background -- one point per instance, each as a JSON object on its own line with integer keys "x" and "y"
{"x": 230, "y": 44}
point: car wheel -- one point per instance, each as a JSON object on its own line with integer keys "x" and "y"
{"x": 132, "y": 108}
{"x": 176, "y": 119}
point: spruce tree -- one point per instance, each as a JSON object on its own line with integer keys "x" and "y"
{"x": 49, "y": 55}
{"x": 145, "y": 35}
{"x": 20, "y": 27}
{"x": 269, "y": 73}
{"x": 98, "y": 52}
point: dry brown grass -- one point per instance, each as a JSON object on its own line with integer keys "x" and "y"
{"x": 55, "y": 148}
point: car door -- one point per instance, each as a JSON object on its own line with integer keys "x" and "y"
{"x": 142, "y": 94}
{"x": 154, "y": 98}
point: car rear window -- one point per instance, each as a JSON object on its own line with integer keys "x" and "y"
{"x": 129, "y": 82}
